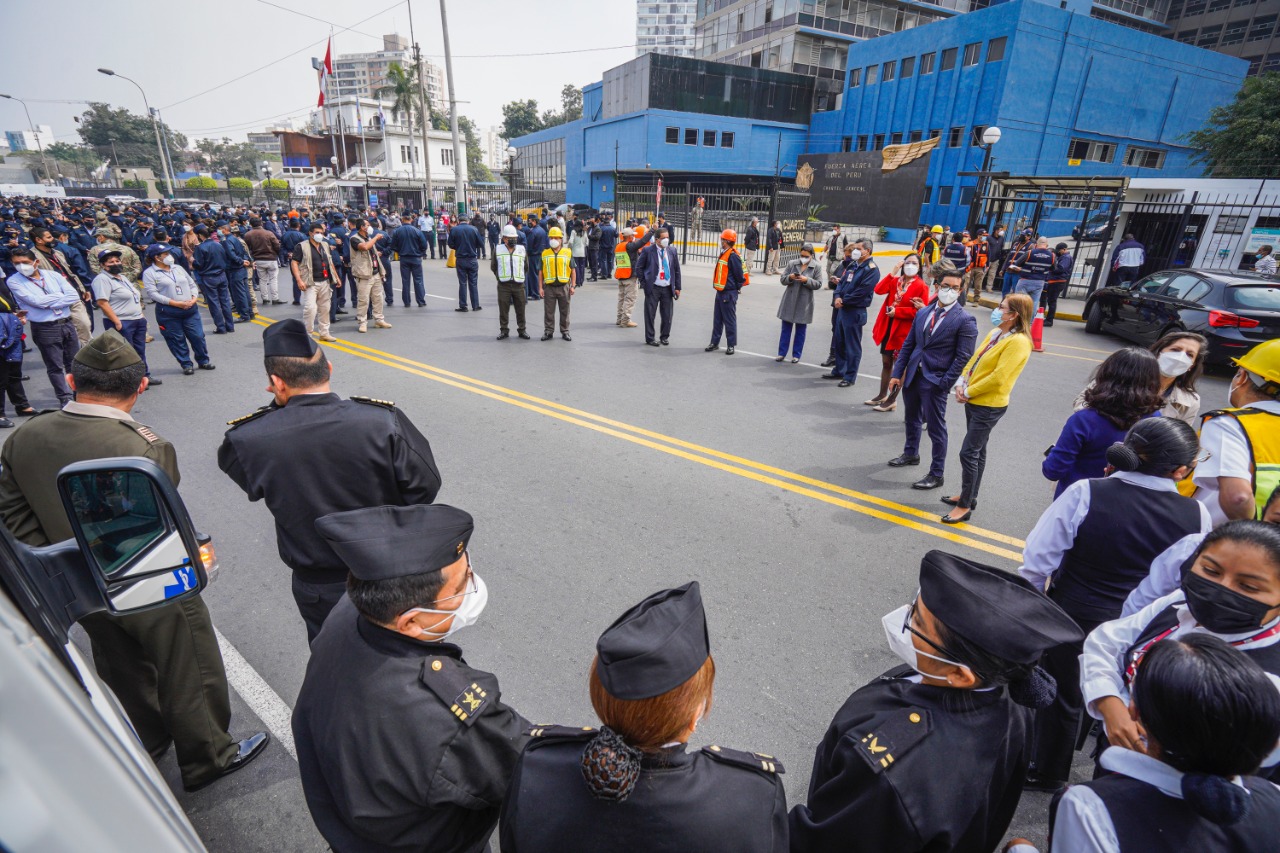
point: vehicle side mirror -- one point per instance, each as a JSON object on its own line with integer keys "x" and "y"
{"x": 134, "y": 534}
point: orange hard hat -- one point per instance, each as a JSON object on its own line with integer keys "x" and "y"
{"x": 641, "y": 231}
{"x": 729, "y": 234}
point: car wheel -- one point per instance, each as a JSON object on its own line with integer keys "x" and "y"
{"x": 1093, "y": 319}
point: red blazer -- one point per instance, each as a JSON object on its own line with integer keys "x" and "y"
{"x": 897, "y": 326}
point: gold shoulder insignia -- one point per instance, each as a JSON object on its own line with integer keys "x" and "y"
{"x": 468, "y": 702}
{"x": 369, "y": 401}
{"x": 569, "y": 732}
{"x": 751, "y": 760}
{"x": 893, "y": 735}
{"x": 259, "y": 413}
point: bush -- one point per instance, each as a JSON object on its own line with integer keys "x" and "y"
{"x": 275, "y": 184}
{"x": 200, "y": 182}
{"x": 241, "y": 184}
{"x": 131, "y": 184}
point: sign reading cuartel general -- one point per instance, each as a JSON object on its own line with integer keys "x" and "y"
{"x": 868, "y": 187}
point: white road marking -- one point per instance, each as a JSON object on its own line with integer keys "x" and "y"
{"x": 258, "y": 695}
{"x": 803, "y": 363}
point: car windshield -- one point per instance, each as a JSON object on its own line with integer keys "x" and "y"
{"x": 1258, "y": 298}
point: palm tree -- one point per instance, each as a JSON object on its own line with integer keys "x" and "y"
{"x": 402, "y": 88}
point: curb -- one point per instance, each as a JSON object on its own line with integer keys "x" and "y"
{"x": 988, "y": 302}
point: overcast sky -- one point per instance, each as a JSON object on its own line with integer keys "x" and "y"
{"x": 188, "y": 55}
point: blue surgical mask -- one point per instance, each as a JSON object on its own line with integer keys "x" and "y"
{"x": 997, "y": 316}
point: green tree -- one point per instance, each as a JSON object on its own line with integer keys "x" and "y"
{"x": 1242, "y": 139}
{"x": 78, "y": 160}
{"x": 476, "y": 169}
{"x": 571, "y": 103}
{"x": 200, "y": 182}
{"x": 240, "y": 184}
{"x": 520, "y": 118}
{"x": 234, "y": 159}
{"x": 402, "y": 89}
{"x": 134, "y": 139}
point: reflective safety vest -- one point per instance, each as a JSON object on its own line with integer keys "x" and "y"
{"x": 981, "y": 248}
{"x": 721, "y": 277}
{"x": 511, "y": 263}
{"x": 1262, "y": 432}
{"x": 621, "y": 261}
{"x": 557, "y": 265}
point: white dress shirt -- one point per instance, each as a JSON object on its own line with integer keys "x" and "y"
{"x": 1055, "y": 532}
{"x": 1229, "y": 456}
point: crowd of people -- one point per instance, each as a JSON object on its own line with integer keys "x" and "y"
{"x": 1143, "y": 623}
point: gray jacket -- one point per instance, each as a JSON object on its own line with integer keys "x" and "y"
{"x": 797, "y": 299}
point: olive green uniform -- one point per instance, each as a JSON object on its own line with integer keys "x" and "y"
{"x": 164, "y": 664}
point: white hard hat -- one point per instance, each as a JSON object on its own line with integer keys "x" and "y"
{"x": 509, "y": 231}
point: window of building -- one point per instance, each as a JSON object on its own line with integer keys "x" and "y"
{"x": 726, "y": 139}
{"x": 887, "y": 71}
{"x": 927, "y": 193}
{"x": 935, "y": 133}
{"x": 862, "y": 144}
{"x": 966, "y": 196}
{"x": 1194, "y": 8}
{"x": 1271, "y": 63}
{"x": 908, "y": 67}
{"x": 1262, "y": 27}
{"x": 1255, "y": 62}
{"x": 878, "y": 143}
{"x": 915, "y": 136}
{"x": 846, "y": 143}
{"x": 975, "y": 135}
{"x": 855, "y": 78}
{"x": 690, "y": 136}
{"x": 995, "y": 49}
{"x": 1209, "y": 36}
{"x": 1234, "y": 32}
{"x": 895, "y": 139}
{"x": 971, "y": 53}
{"x": 926, "y": 63}
{"x": 948, "y": 59}
{"x": 1219, "y": 5}
{"x": 1187, "y": 36}
{"x": 708, "y": 139}
{"x": 446, "y": 156}
{"x": 673, "y": 136}
{"x": 1144, "y": 158}
{"x": 1091, "y": 150}
{"x": 872, "y": 71}
{"x": 955, "y": 138}
{"x": 944, "y": 195}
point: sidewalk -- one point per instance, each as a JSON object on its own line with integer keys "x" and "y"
{"x": 1068, "y": 308}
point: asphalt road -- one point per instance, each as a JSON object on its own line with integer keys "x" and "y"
{"x": 599, "y": 471}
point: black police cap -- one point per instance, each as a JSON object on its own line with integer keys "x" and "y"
{"x": 385, "y": 542}
{"x": 288, "y": 338}
{"x": 655, "y": 646}
{"x": 997, "y": 611}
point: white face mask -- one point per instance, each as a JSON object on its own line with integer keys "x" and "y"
{"x": 664, "y": 242}
{"x": 555, "y": 244}
{"x": 856, "y": 254}
{"x": 1174, "y": 363}
{"x": 166, "y": 260}
{"x": 947, "y": 296}
{"x": 910, "y": 270}
{"x": 900, "y": 642}
{"x": 186, "y": 228}
{"x": 26, "y": 269}
{"x": 473, "y": 602}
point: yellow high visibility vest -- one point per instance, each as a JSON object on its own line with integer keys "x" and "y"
{"x": 1262, "y": 432}
{"x": 557, "y": 265}
{"x": 621, "y": 262}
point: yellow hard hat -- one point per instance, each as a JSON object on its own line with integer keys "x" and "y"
{"x": 937, "y": 229}
{"x": 1263, "y": 360}
{"x": 555, "y": 232}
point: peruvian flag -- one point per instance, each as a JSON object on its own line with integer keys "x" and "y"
{"x": 324, "y": 70}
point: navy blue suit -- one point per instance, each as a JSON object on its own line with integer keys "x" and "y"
{"x": 929, "y": 362}
{"x": 608, "y": 243}
{"x": 855, "y": 289}
{"x": 410, "y": 243}
{"x": 658, "y": 299}
{"x": 209, "y": 268}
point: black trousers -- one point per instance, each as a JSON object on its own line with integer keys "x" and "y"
{"x": 314, "y": 601}
{"x": 657, "y": 300}
{"x": 11, "y": 385}
{"x": 980, "y": 420}
{"x": 1052, "y": 291}
{"x": 1057, "y": 726}
{"x": 165, "y": 668}
{"x": 58, "y": 345}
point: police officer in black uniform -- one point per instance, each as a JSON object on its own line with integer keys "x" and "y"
{"x": 631, "y": 786}
{"x": 932, "y": 755}
{"x": 402, "y": 746}
{"x": 280, "y": 454}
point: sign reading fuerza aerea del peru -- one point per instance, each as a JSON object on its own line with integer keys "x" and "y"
{"x": 868, "y": 187}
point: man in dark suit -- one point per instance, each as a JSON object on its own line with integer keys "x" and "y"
{"x": 658, "y": 268}
{"x": 855, "y": 289}
{"x": 939, "y": 344}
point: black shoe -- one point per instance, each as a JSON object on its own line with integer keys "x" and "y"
{"x": 208, "y": 366}
{"x": 250, "y": 748}
{"x": 566, "y": 336}
{"x": 27, "y": 412}
{"x": 844, "y": 383}
{"x": 478, "y": 308}
{"x": 422, "y": 305}
{"x": 831, "y": 362}
{"x": 1048, "y": 323}
{"x": 219, "y": 331}
{"x": 729, "y": 351}
{"x": 277, "y": 301}
{"x": 522, "y": 336}
{"x": 665, "y": 342}
{"x": 712, "y": 348}
{"x": 460, "y": 309}
{"x": 653, "y": 343}
{"x": 947, "y": 519}
{"x": 5, "y": 423}
{"x": 231, "y": 329}
{"x": 1036, "y": 782}
{"x": 832, "y": 376}
{"x": 187, "y": 371}
{"x": 26, "y": 377}
{"x": 903, "y": 460}
{"x": 504, "y": 335}
{"x": 340, "y": 311}
{"x": 548, "y": 336}
{"x": 296, "y": 302}
{"x": 152, "y": 381}
{"x": 927, "y": 482}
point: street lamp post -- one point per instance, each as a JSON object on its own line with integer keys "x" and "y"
{"x": 169, "y": 178}
{"x": 990, "y": 137}
{"x": 265, "y": 168}
{"x": 39, "y": 145}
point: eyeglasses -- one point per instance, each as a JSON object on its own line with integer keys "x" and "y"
{"x": 942, "y": 287}
{"x": 906, "y": 626}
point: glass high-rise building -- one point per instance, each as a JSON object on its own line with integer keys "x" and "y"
{"x": 665, "y": 27}
{"x": 1243, "y": 28}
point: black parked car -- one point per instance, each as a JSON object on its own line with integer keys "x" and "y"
{"x": 1234, "y": 310}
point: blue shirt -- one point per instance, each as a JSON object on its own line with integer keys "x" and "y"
{"x": 46, "y": 299}
{"x": 465, "y": 240}
{"x": 409, "y": 242}
{"x": 1080, "y": 453}
{"x": 209, "y": 261}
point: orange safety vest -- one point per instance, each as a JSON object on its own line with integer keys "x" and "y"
{"x": 621, "y": 262}
{"x": 721, "y": 277}
{"x": 980, "y": 257}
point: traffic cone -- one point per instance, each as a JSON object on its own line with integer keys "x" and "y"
{"x": 1037, "y": 330}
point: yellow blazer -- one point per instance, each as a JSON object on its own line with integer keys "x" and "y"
{"x": 995, "y": 370}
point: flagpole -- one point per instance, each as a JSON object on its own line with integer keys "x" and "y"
{"x": 364, "y": 146}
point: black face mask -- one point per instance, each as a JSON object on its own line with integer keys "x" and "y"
{"x": 113, "y": 269}
{"x": 1222, "y": 610}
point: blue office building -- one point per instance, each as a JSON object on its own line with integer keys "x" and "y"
{"x": 1073, "y": 96}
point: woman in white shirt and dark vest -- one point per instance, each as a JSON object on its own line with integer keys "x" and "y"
{"x": 1091, "y": 547}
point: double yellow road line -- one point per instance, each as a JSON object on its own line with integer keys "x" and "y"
{"x": 970, "y": 535}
